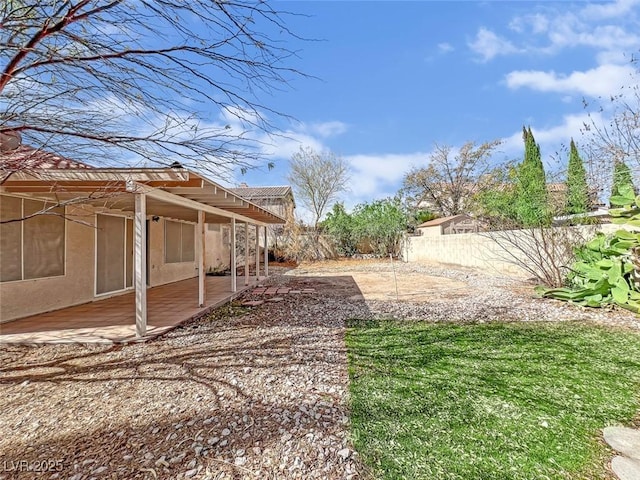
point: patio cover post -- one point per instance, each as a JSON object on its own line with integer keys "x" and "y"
{"x": 234, "y": 284}
{"x": 257, "y": 252}
{"x": 140, "y": 263}
{"x": 200, "y": 246}
{"x": 246, "y": 253}
{"x": 266, "y": 254}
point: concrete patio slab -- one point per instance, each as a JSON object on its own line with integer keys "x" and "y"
{"x": 112, "y": 320}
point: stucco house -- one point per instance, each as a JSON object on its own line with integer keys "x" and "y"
{"x": 450, "y": 225}
{"x": 277, "y": 199}
{"x": 72, "y": 234}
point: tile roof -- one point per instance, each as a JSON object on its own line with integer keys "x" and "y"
{"x": 556, "y": 187}
{"x": 27, "y": 158}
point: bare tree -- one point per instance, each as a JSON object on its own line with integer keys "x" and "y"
{"x": 126, "y": 81}
{"x": 317, "y": 179}
{"x": 451, "y": 178}
{"x": 612, "y": 135}
{"x": 546, "y": 253}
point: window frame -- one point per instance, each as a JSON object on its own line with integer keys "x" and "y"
{"x": 22, "y": 238}
{"x": 124, "y": 266}
{"x": 182, "y": 224}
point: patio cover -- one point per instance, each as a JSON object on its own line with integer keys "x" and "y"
{"x": 171, "y": 192}
{"x": 141, "y": 192}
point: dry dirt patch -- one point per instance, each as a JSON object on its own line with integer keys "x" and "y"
{"x": 402, "y": 286}
{"x": 431, "y": 291}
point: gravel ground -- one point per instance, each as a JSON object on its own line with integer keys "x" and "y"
{"x": 247, "y": 393}
{"x": 484, "y": 297}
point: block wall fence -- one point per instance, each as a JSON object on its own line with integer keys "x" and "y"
{"x": 478, "y": 250}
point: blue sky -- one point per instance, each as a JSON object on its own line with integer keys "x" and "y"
{"x": 394, "y": 78}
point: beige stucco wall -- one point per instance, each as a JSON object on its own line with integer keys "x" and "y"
{"x": 434, "y": 231}
{"x": 472, "y": 250}
{"x": 283, "y": 207}
{"x": 466, "y": 249}
{"x": 29, "y": 297}
{"x": 159, "y": 271}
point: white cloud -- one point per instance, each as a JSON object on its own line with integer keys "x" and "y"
{"x": 604, "y": 80}
{"x": 535, "y": 23}
{"x": 378, "y": 176}
{"x": 599, "y": 11}
{"x": 279, "y": 144}
{"x": 238, "y": 115}
{"x": 518, "y": 24}
{"x": 489, "y": 45}
{"x": 603, "y": 27}
{"x": 539, "y": 23}
{"x": 603, "y": 37}
{"x": 328, "y": 129}
{"x": 285, "y": 143}
{"x": 612, "y": 57}
{"x": 571, "y": 127}
{"x": 445, "y": 47}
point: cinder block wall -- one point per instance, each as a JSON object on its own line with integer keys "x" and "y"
{"x": 479, "y": 250}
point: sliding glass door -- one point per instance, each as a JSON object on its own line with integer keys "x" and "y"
{"x": 114, "y": 254}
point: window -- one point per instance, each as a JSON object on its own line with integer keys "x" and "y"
{"x": 31, "y": 248}
{"x": 179, "y": 242}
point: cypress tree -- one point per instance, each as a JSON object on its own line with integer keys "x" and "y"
{"x": 532, "y": 206}
{"x": 577, "y": 188}
{"x": 621, "y": 177}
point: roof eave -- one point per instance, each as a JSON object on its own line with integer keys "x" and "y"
{"x": 113, "y": 180}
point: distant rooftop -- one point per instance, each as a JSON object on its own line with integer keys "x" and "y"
{"x": 442, "y": 220}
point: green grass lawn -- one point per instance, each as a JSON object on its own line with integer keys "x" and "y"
{"x": 489, "y": 401}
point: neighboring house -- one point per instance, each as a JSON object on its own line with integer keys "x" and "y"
{"x": 450, "y": 225}
{"x": 276, "y": 199}
{"x": 445, "y": 199}
{"x": 557, "y": 197}
{"x": 71, "y": 234}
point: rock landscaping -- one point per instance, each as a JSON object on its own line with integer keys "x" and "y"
{"x": 256, "y": 390}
